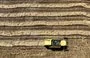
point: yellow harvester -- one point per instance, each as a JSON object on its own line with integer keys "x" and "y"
{"x": 55, "y": 43}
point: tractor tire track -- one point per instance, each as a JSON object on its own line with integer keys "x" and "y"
{"x": 44, "y": 9}
{"x": 46, "y": 27}
{"x": 42, "y": 1}
{"x": 45, "y": 18}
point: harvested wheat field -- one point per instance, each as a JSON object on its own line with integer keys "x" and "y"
{"x": 24, "y": 24}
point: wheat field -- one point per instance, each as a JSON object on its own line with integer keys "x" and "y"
{"x": 24, "y": 24}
